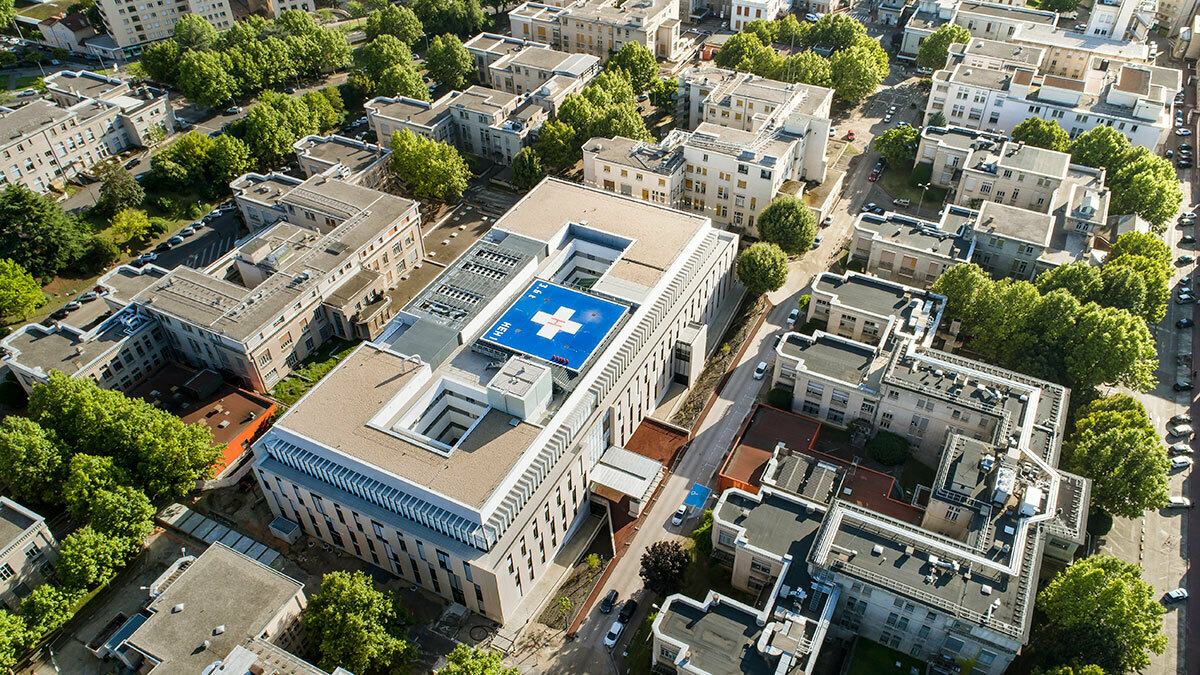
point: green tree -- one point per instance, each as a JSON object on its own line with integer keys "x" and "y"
{"x": 527, "y": 168}
{"x": 193, "y": 32}
{"x": 1123, "y": 288}
{"x": 8, "y": 11}
{"x": 638, "y": 62}
{"x": 396, "y": 20}
{"x": 1143, "y": 244}
{"x": 20, "y": 293}
{"x": 119, "y": 190}
{"x": 123, "y": 512}
{"x": 1147, "y": 185}
{"x": 1100, "y": 147}
{"x": 738, "y": 48}
{"x": 766, "y": 31}
{"x": 556, "y": 144}
{"x": 808, "y": 68}
{"x": 228, "y": 159}
{"x": 461, "y": 17}
{"x": 839, "y": 31}
{"x": 47, "y": 608}
{"x": 1042, "y": 133}
{"x": 402, "y": 80}
{"x": 1116, "y": 446}
{"x": 937, "y": 119}
{"x": 191, "y": 152}
{"x": 791, "y": 31}
{"x": 702, "y": 536}
{"x": 31, "y": 460}
{"x": 762, "y": 267}
{"x": 623, "y": 120}
{"x": 1068, "y": 670}
{"x": 898, "y": 146}
{"x": 355, "y": 626}
{"x": 663, "y": 566}
{"x": 964, "y": 287}
{"x": 1111, "y": 346}
{"x": 13, "y": 638}
{"x": 88, "y": 559}
{"x": 855, "y": 73}
{"x": 1079, "y": 279}
{"x": 466, "y": 660}
{"x": 663, "y": 93}
{"x": 888, "y": 449}
{"x": 128, "y": 226}
{"x": 268, "y": 134}
{"x": 382, "y": 53}
{"x": 430, "y": 168}
{"x": 935, "y": 48}
{"x": 448, "y": 62}
{"x": 160, "y": 60}
{"x": 36, "y": 234}
{"x": 87, "y": 477}
{"x": 788, "y": 223}
{"x": 1156, "y": 279}
{"x": 204, "y": 76}
{"x": 1100, "y": 611}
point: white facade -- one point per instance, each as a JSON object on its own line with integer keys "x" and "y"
{"x": 132, "y": 25}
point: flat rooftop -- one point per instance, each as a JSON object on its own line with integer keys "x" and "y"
{"x": 84, "y": 83}
{"x": 16, "y": 123}
{"x": 416, "y": 112}
{"x": 777, "y": 525}
{"x": 831, "y": 356}
{"x": 354, "y": 155}
{"x": 661, "y": 158}
{"x": 870, "y": 294}
{"x": 995, "y": 49}
{"x": 127, "y": 281}
{"x": 336, "y": 413}
{"x": 220, "y": 588}
{"x": 62, "y": 348}
{"x": 917, "y": 234}
{"x": 1016, "y": 223}
{"x": 716, "y": 637}
{"x": 767, "y": 427}
{"x": 1021, "y": 157}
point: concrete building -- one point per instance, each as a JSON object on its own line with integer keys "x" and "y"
{"x": 424, "y": 118}
{"x": 601, "y": 27}
{"x": 69, "y": 32}
{"x": 516, "y": 66}
{"x": 745, "y": 11}
{"x": 88, "y": 119}
{"x": 1123, "y": 19}
{"x": 132, "y": 26}
{"x": 219, "y": 612}
{"x": 457, "y": 450}
{"x": 910, "y": 250}
{"x": 755, "y": 139}
{"x": 27, "y": 553}
{"x": 347, "y": 159}
{"x": 996, "y": 94}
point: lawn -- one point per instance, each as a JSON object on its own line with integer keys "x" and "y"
{"x": 311, "y": 370}
{"x": 915, "y": 473}
{"x": 872, "y": 658}
{"x": 29, "y": 82}
{"x": 896, "y": 183}
{"x": 45, "y": 10}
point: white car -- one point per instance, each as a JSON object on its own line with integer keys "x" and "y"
{"x": 1180, "y": 430}
{"x": 760, "y": 370}
{"x": 793, "y": 316}
{"x": 27, "y": 92}
{"x": 832, "y": 132}
{"x": 1179, "y": 503}
{"x": 1181, "y": 462}
{"x": 1177, "y": 595}
{"x": 679, "y": 515}
{"x": 614, "y": 633}
{"x": 1179, "y": 449}
{"x": 1183, "y": 131}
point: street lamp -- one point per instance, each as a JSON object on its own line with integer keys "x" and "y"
{"x": 921, "y": 202}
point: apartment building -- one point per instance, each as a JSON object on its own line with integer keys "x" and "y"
{"x": 743, "y": 12}
{"x": 910, "y": 250}
{"x": 70, "y": 31}
{"x": 1123, "y": 19}
{"x": 27, "y": 553}
{"x": 218, "y": 612}
{"x": 1036, "y": 210}
{"x": 748, "y": 102}
{"x": 431, "y": 119}
{"x": 1134, "y": 99}
{"x": 346, "y": 159}
{"x": 457, "y": 450}
{"x": 516, "y": 66}
{"x": 132, "y": 25}
{"x": 601, "y": 27}
{"x": 88, "y": 118}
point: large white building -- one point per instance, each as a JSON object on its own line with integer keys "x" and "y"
{"x": 751, "y": 140}
{"x": 457, "y": 449}
{"x": 602, "y": 27}
{"x": 993, "y": 86}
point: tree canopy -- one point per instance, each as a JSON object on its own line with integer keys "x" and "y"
{"x": 935, "y": 48}
{"x": 430, "y": 168}
{"x": 464, "y": 18}
{"x": 119, "y": 190}
{"x": 448, "y": 62}
{"x": 88, "y": 558}
{"x": 1042, "y": 133}
{"x": 1099, "y": 611}
{"x": 1116, "y": 445}
{"x": 527, "y": 168}
{"x": 31, "y": 462}
{"x": 355, "y": 626}
{"x": 20, "y": 293}
{"x": 1141, "y": 182}
{"x": 37, "y": 234}
{"x": 638, "y": 62}
{"x": 606, "y": 107}
{"x": 466, "y": 660}
{"x": 663, "y": 566}
{"x": 898, "y": 146}
{"x": 762, "y": 267}
{"x": 395, "y": 20}
{"x": 857, "y": 71}
{"x": 788, "y": 223}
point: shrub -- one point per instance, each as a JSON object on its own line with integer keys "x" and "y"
{"x": 1099, "y": 522}
{"x": 803, "y": 303}
{"x": 888, "y": 449}
{"x": 702, "y": 536}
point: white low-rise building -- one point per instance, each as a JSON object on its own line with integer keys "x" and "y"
{"x": 601, "y": 27}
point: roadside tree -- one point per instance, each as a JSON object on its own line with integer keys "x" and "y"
{"x": 762, "y": 267}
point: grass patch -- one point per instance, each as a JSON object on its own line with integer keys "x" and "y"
{"x": 896, "y": 183}
{"x": 46, "y": 9}
{"x": 872, "y": 658}
{"x": 311, "y": 370}
{"x": 915, "y": 473}
{"x": 29, "y": 82}
{"x": 638, "y": 652}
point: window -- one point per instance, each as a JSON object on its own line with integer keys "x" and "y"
{"x": 6, "y": 572}
{"x": 443, "y": 559}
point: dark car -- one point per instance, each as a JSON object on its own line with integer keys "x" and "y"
{"x": 1187, "y": 239}
{"x": 609, "y": 601}
{"x": 1184, "y": 164}
{"x": 59, "y": 314}
{"x": 1182, "y": 385}
{"x": 627, "y": 611}
{"x": 163, "y": 247}
{"x": 1185, "y": 323}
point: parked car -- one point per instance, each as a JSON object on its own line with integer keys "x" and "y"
{"x": 233, "y": 110}
{"x": 1186, "y": 259}
{"x": 60, "y": 313}
{"x": 827, "y": 222}
{"x": 1185, "y": 298}
{"x": 1170, "y": 154}
{"x": 163, "y": 247}
{"x": 850, "y": 135}
{"x": 760, "y": 370}
{"x": 869, "y": 206}
{"x": 832, "y": 132}
{"x": 147, "y": 257}
{"x": 1182, "y": 418}
{"x": 89, "y": 296}
{"x": 792, "y": 316}
{"x": 1181, "y": 462}
{"x": 176, "y": 240}
{"x": 816, "y": 242}
{"x": 1179, "y": 503}
{"x": 1182, "y": 385}
{"x": 1177, "y": 595}
{"x": 609, "y": 601}
{"x": 187, "y": 231}
{"x": 924, "y": 72}
{"x": 811, "y": 18}
{"x": 873, "y": 177}
{"x": 1184, "y": 164}
{"x": 614, "y": 634}
{"x": 1184, "y": 323}
{"x": 27, "y": 92}
{"x": 1187, "y": 239}
{"x": 679, "y": 515}
{"x": 887, "y": 118}
{"x": 1081, "y": 27}
{"x": 1183, "y": 131}
{"x": 1180, "y": 449}
{"x": 902, "y": 201}
{"x": 627, "y": 611}
{"x": 1177, "y": 430}
{"x": 72, "y": 306}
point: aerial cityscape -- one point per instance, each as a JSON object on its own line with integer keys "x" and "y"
{"x": 489, "y": 337}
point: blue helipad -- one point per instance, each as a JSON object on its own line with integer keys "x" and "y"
{"x": 555, "y": 324}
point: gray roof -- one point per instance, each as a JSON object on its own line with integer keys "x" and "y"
{"x": 1021, "y": 157}
{"x": 1008, "y": 12}
{"x": 354, "y": 155}
{"x": 919, "y": 234}
{"x": 1015, "y": 223}
{"x": 20, "y": 122}
{"x": 996, "y": 49}
{"x": 84, "y": 83}
{"x": 868, "y": 293}
{"x": 220, "y": 588}
{"x": 829, "y": 355}
{"x": 775, "y": 524}
{"x": 647, "y": 156}
{"x": 420, "y": 113}
{"x": 716, "y": 637}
